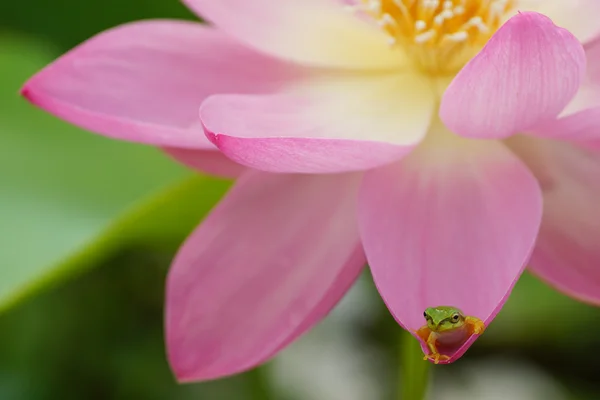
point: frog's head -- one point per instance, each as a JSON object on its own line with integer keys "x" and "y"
{"x": 443, "y": 318}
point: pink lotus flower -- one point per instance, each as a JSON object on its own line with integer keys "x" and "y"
{"x": 361, "y": 126}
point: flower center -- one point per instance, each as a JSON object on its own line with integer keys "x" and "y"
{"x": 440, "y": 35}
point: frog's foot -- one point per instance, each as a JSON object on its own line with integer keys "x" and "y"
{"x": 436, "y": 358}
{"x": 478, "y": 327}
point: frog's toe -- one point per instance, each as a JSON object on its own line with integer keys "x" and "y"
{"x": 436, "y": 358}
{"x": 479, "y": 328}
{"x": 441, "y": 357}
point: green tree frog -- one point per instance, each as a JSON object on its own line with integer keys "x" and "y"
{"x": 447, "y": 327}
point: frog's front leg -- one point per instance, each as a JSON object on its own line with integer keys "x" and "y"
{"x": 423, "y": 332}
{"x": 476, "y": 326}
{"x": 434, "y": 354}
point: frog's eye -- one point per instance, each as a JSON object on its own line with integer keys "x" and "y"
{"x": 425, "y": 314}
{"x": 455, "y": 317}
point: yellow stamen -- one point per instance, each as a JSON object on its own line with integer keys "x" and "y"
{"x": 440, "y": 35}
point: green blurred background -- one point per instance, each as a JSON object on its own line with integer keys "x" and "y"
{"x": 88, "y": 227}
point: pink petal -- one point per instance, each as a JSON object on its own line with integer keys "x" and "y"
{"x": 580, "y": 17}
{"x": 582, "y": 127}
{"x": 592, "y": 52}
{"x": 145, "y": 81}
{"x": 211, "y": 162}
{"x": 588, "y": 95}
{"x": 452, "y": 224}
{"x": 525, "y": 75}
{"x": 344, "y": 122}
{"x": 269, "y": 262}
{"x": 567, "y": 254}
{"x": 311, "y": 32}
{"x": 580, "y": 120}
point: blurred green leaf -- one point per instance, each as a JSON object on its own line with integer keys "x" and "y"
{"x": 72, "y": 22}
{"x": 536, "y": 313}
{"x": 414, "y": 372}
{"x": 69, "y": 197}
{"x": 100, "y": 336}
{"x": 162, "y": 222}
